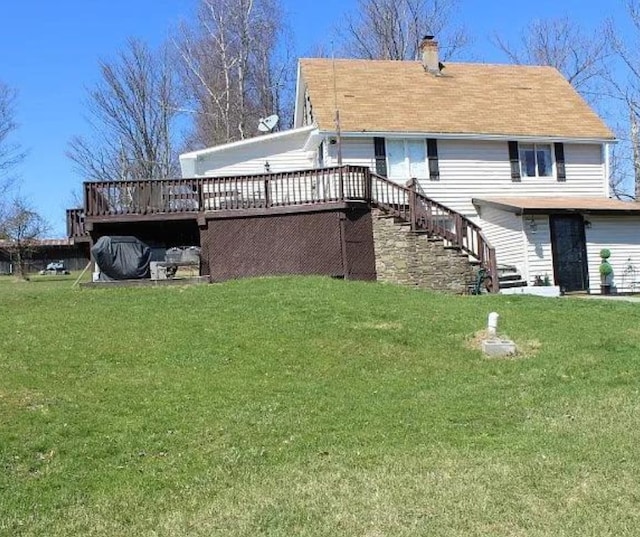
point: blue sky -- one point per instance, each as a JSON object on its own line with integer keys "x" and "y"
{"x": 49, "y": 52}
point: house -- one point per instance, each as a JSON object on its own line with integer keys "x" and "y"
{"x": 512, "y": 151}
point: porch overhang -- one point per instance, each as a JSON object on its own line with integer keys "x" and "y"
{"x": 560, "y": 205}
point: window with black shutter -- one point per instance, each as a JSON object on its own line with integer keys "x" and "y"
{"x": 432, "y": 154}
{"x": 380, "y": 151}
{"x": 561, "y": 169}
{"x": 514, "y": 159}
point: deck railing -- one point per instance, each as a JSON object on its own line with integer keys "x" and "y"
{"x": 144, "y": 197}
{"x": 75, "y": 223}
{"x": 303, "y": 187}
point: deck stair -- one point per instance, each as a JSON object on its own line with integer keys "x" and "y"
{"x": 426, "y": 216}
{"x": 509, "y": 277}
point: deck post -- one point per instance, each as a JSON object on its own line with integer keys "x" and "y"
{"x": 368, "y": 180}
{"x": 200, "y": 194}
{"x": 267, "y": 196}
{"x": 412, "y": 203}
{"x": 88, "y": 208}
{"x": 458, "y": 230}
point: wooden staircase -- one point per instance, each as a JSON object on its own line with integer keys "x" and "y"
{"x": 429, "y": 217}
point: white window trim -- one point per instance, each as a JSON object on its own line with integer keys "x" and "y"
{"x": 407, "y": 161}
{"x": 554, "y": 174}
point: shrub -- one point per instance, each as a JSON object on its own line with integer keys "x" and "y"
{"x": 606, "y": 269}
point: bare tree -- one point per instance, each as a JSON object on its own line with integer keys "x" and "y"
{"x": 236, "y": 67}
{"x": 580, "y": 56}
{"x": 393, "y": 29}
{"x": 131, "y": 112}
{"x": 11, "y": 153}
{"x": 624, "y": 86}
{"x": 620, "y": 173}
{"x": 20, "y": 230}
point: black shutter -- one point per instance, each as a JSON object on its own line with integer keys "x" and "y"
{"x": 432, "y": 153}
{"x": 514, "y": 158}
{"x": 380, "y": 151}
{"x": 561, "y": 169}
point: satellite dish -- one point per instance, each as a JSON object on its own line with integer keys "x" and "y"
{"x": 267, "y": 124}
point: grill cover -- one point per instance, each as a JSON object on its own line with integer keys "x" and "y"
{"x": 122, "y": 258}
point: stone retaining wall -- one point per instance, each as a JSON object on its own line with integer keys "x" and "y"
{"x": 408, "y": 258}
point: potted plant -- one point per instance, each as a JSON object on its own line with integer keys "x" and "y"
{"x": 606, "y": 272}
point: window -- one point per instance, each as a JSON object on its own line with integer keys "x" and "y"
{"x": 535, "y": 160}
{"x": 406, "y": 158}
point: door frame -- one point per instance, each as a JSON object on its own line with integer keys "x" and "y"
{"x": 583, "y": 245}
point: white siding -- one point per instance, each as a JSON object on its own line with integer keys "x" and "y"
{"x": 481, "y": 169}
{"x": 621, "y": 235}
{"x": 504, "y": 231}
{"x": 355, "y": 151}
{"x": 476, "y": 169}
{"x": 281, "y": 154}
{"x": 539, "y": 260}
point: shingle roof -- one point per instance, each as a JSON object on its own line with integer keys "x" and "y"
{"x": 399, "y": 96}
{"x": 542, "y": 205}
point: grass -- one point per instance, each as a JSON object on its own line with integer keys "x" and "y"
{"x": 313, "y": 407}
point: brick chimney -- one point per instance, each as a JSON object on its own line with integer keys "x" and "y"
{"x": 430, "y": 59}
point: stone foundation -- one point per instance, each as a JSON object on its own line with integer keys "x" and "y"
{"x": 407, "y": 258}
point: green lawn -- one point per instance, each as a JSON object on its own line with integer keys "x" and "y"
{"x": 299, "y": 407}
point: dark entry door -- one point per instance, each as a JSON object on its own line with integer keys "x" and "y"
{"x": 569, "y": 249}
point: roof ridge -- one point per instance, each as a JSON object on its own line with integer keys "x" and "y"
{"x": 418, "y": 62}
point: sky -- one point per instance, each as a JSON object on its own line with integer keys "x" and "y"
{"x": 49, "y": 52}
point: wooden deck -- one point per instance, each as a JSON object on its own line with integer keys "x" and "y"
{"x": 276, "y": 193}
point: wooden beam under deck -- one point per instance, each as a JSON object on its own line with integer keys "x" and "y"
{"x": 132, "y": 218}
{"x": 287, "y": 209}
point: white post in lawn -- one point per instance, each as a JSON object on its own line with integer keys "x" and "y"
{"x": 492, "y": 324}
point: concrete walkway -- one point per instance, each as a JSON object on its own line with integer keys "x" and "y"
{"x": 623, "y": 298}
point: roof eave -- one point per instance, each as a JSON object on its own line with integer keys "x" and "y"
{"x": 246, "y": 142}
{"x": 473, "y": 136}
{"x": 533, "y": 211}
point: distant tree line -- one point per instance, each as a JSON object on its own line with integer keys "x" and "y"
{"x": 233, "y": 62}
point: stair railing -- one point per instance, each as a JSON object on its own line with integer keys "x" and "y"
{"x": 422, "y": 213}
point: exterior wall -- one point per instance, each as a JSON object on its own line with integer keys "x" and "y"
{"x": 524, "y": 242}
{"x": 505, "y": 233}
{"x": 355, "y": 151}
{"x": 407, "y": 258}
{"x": 539, "y": 257}
{"x": 282, "y": 154}
{"x": 621, "y": 235}
{"x": 359, "y": 252}
{"x": 332, "y": 243}
{"x": 481, "y": 169}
